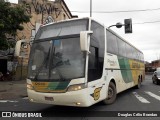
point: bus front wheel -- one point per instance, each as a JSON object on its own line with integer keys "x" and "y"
{"x": 112, "y": 94}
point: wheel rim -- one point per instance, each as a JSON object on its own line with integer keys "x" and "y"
{"x": 110, "y": 93}
{"x": 155, "y": 82}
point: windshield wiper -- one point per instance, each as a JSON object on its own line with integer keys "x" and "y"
{"x": 59, "y": 64}
{"x": 43, "y": 63}
{"x": 59, "y": 73}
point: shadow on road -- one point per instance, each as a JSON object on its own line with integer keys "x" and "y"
{"x": 98, "y": 109}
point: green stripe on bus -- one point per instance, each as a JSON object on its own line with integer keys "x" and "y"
{"x": 62, "y": 85}
{"x": 125, "y": 69}
{"x": 57, "y": 85}
{"x": 52, "y": 85}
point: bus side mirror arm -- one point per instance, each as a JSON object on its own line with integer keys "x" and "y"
{"x": 84, "y": 40}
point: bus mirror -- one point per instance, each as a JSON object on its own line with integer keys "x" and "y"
{"x": 21, "y": 44}
{"x": 84, "y": 40}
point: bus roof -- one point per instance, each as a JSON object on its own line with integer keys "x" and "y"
{"x": 89, "y": 18}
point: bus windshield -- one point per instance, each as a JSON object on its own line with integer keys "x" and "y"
{"x": 57, "y": 60}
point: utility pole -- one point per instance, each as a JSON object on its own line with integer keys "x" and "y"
{"x": 42, "y": 12}
{"x": 90, "y": 8}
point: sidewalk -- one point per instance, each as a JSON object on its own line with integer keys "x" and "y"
{"x": 12, "y": 89}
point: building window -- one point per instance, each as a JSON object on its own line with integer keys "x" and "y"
{"x": 64, "y": 16}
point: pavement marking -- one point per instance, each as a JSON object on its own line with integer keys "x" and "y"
{"x": 140, "y": 98}
{"x": 12, "y": 101}
{"x": 153, "y": 95}
{"x": 5, "y": 101}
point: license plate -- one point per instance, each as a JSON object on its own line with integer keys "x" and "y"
{"x": 49, "y": 98}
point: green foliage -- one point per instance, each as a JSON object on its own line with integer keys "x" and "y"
{"x": 3, "y": 43}
{"x": 11, "y": 20}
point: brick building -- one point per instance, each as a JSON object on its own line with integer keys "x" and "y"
{"x": 40, "y": 10}
{"x": 155, "y": 63}
{"x": 151, "y": 67}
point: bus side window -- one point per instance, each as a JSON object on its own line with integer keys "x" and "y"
{"x": 93, "y": 73}
{"x": 112, "y": 45}
{"x": 92, "y": 58}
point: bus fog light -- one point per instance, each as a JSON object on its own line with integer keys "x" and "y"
{"x": 78, "y": 103}
{"x": 31, "y": 100}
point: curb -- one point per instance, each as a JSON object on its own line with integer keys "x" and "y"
{"x": 3, "y": 90}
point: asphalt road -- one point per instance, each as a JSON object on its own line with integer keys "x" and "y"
{"x": 139, "y": 101}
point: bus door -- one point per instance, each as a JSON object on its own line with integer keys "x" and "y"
{"x": 97, "y": 88}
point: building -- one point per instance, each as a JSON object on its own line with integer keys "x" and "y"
{"x": 42, "y": 12}
{"x": 151, "y": 67}
{"x": 155, "y": 64}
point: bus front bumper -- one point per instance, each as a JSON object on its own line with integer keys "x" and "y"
{"x": 74, "y": 98}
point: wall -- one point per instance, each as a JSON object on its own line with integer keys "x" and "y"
{"x": 39, "y": 10}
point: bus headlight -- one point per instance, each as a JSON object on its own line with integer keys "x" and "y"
{"x": 30, "y": 86}
{"x": 76, "y": 87}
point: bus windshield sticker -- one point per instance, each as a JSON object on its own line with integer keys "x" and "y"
{"x": 33, "y": 67}
{"x": 56, "y": 43}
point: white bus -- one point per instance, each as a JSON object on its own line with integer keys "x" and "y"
{"x": 80, "y": 62}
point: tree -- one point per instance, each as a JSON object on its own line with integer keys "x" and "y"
{"x": 11, "y": 20}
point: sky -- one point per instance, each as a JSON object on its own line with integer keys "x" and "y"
{"x": 146, "y": 23}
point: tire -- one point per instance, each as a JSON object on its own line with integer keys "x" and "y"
{"x": 156, "y": 82}
{"x": 112, "y": 94}
{"x": 153, "y": 80}
{"x": 139, "y": 84}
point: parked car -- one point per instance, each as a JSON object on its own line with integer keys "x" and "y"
{"x": 156, "y": 77}
{"x": 158, "y": 69}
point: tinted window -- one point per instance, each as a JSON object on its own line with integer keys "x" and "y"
{"x": 56, "y": 60}
{"x": 93, "y": 71}
{"x": 93, "y": 58}
{"x": 96, "y": 59}
{"x": 139, "y": 58}
{"x": 116, "y": 45}
{"x": 129, "y": 51}
{"x": 121, "y": 47}
{"x": 62, "y": 29}
{"x": 142, "y": 59}
{"x": 111, "y": 43}
{"x": 134, "y": 54}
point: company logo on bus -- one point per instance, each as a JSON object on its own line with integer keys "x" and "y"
{"x": 39, "y": 83}
{"x": 135, "y": 65}
{"x": 112, "y": 63}
{"x": 96, "y": 94}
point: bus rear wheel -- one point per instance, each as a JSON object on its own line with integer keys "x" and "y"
{"x": 112, "y": 94}
{"x": 139, "y": 83}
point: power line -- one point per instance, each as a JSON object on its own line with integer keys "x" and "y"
{"x": 144, "y": 10}
{"x": 148, "y": 22}
{"x": 128, "y": 11}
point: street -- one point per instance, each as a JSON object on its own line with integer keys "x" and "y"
{"x": 78, "y": 53}
{"x": 147, "y": 98}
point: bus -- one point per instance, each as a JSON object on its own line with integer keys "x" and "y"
{"x": 80, "y": 62}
